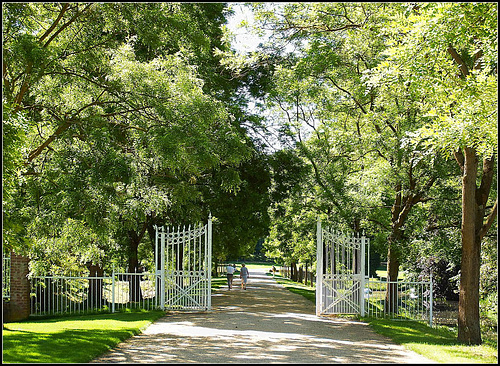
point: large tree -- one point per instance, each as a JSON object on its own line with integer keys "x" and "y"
{"x": 110, "y": 117}
{"x": 450, "y": 51}
{"x": 416, "y": 84}
{"x": 350, "y": 128}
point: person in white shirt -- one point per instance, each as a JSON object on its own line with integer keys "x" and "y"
{"x": 229, "y": 273}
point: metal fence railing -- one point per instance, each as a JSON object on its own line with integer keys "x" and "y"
{"x": 399, "y": 300}
{"x": 6, "y": 277}
{"x": 55, "y": 295}
{"x": 308, "y": 277}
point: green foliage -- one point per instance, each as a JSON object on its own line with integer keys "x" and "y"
{"x": 123, "y": 110}
{"x": 461, "y": 107}
{"x": 240, "y": 215}
{"x": 370, "y": 98}
{"x": 15, "y": 129}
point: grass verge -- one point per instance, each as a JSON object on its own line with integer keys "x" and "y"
{"x": 218, "y": 282}
{"x": 438, "y": 343}
{"x": 306, "y": 291}
{"x": 71, "y": 339}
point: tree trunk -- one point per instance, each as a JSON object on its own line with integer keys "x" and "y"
{"x": 473, "y": 230}
{"x": 133, "y": 261}
{"x": 95, "y": 291}
{"x": 133, "y": 267}
{"x": 391, "y": 296}
{"x": 300, "y": 276}
{"x": 469, "y": 330}
{"x": 294, "y": 274}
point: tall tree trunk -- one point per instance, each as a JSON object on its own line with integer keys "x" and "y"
{"x": 469, "y": 330}
{"x": 95, "y": 290}
{"x": 133, "y": 261}
{"x": 294, "y": 274}
{"x": 473, "y": 230}
{"x": 133, "y": 267}
{"x": 393, "y": 254}
{"x": 393, "y": 258}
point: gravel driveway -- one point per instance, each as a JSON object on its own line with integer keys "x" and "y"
{"x": 264, "y": 324}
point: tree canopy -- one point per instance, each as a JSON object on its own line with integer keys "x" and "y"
{"x": 121, "y": 116}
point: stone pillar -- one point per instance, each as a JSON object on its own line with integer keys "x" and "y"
{"x": 19, "y": 305}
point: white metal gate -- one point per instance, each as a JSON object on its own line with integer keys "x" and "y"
{"x": 341, "y": 272}
{"x": 183, "y": 259}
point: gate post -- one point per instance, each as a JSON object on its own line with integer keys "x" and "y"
{"x": 362, "y": 272}
{"x": 113, "y": 290}
{"x": 431, "y": 300}
{"x": 18, "y": 307}
{"x": 209, "y": 259}
{"x": 319, "y": 267}
{"x": 162, "y": 269}
{"x": 156, "y": 266}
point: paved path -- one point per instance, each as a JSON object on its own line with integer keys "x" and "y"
{"x": 264, "y": 324}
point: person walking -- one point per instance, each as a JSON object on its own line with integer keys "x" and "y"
{"x": 229, "y": 273}
{"x": 244, "y": 274}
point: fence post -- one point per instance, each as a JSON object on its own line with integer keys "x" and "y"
{"x": 113, "y": 290}
{"x": 19, "y": 304}
{"x": 319, "y": 266}
{"x": 156, "y": 266}
{"x": 362, "y": 284}
{"x": 209, "y": 269}
{"x": 431, "y": 304}
{"x": 162, "y": 268}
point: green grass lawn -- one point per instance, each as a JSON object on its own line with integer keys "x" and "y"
{"x": 437, "y": 343}
{"x": 383, "y": 274}
{"x": 218, "y": 282}
{"x": 71, "y": 339}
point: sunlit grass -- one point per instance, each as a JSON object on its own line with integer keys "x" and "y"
{"x": 306, "y": 291}
{"x": 218, "y": 282}
{"x": 257, "y": 265}
{"x": 75, "y": 339}
{"x": 438, "y": 343}
{"x": 383, "y": 274}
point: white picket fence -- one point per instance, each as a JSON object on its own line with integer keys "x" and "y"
{"x": 181, "y": 280}
{"x": 55, "y": 295}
